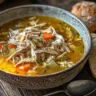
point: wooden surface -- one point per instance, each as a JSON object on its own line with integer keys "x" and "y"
{"x": 9, "y": 90}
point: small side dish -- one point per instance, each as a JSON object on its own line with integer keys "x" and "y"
{"x": 39, "y": 45}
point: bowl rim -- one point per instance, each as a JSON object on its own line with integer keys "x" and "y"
{"x": 59, "y": 72}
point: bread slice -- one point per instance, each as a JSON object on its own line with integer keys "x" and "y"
{"x": 92, "y": 56}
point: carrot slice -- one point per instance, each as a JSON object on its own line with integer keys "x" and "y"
{"x": 23, "y": 68}
{"x": 26, "y": 67}
{"x": 1, "y": 46}
{"x": 11, "y": 45}
{"x": 47, "y": 36}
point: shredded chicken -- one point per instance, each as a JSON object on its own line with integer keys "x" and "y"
{"x": 31, "y": 41}
{"x": 60, "y": 56}
{"x": 2, "y": 42}
{"x": 26, "y": 60}
{"x": 17, "y": 53}
{"x": 46, "y": 50}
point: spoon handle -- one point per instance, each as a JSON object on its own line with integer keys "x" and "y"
{"x": 58, "y": 93}
{"x": 90, "y": 0}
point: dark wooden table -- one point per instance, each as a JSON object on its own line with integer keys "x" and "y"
{"x": 9, "y": 90}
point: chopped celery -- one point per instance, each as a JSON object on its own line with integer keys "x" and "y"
{"x": 52, "y": 63}
{"x": 12, "y": 51}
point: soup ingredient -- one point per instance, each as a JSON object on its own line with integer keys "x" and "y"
{"x": 12, "y": 45}
{"x": 23, "y": 68}
{"x": 47, "y": 36}
{"x": 1, "y": 46}
{"x": 37, "y": 46}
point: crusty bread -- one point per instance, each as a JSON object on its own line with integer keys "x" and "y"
{"x": 92, "y": 55}
{"x": 86, "y": 11}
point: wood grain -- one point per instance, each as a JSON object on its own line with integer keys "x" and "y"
{"x": 10, "y": 90}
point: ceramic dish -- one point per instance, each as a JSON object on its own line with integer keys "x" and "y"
{"x": 58, "y": 78}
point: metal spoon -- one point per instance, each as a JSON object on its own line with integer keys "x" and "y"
{"x": 77, "y": 88}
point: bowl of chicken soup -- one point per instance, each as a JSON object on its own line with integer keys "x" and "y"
{"x": 41, "y": 46}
